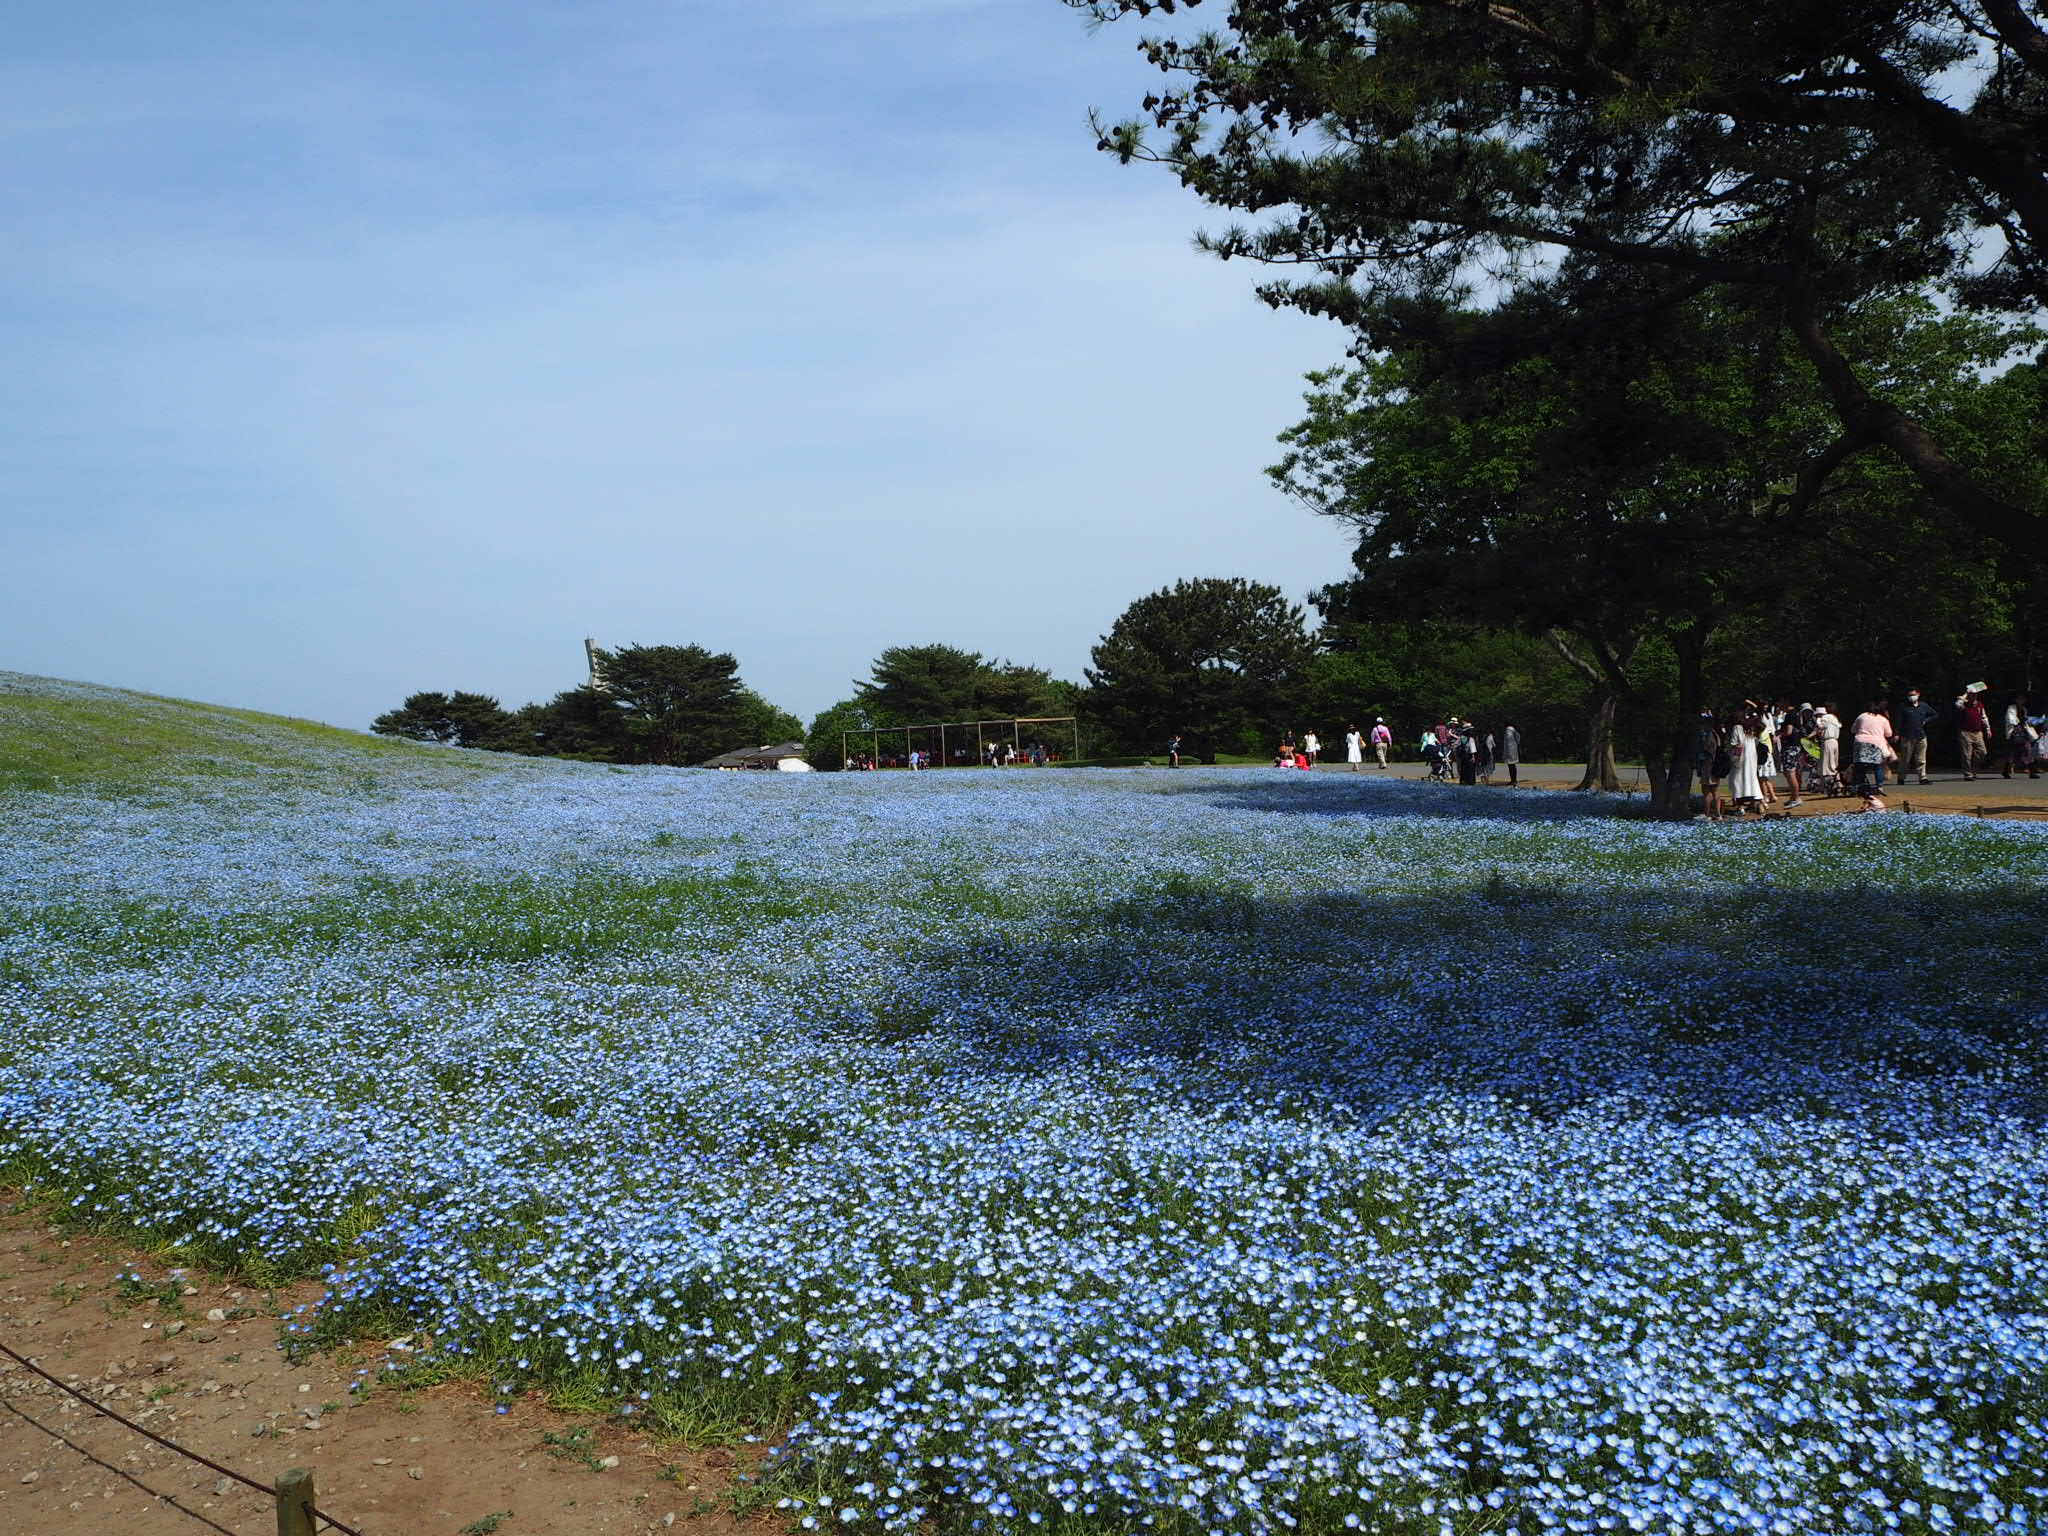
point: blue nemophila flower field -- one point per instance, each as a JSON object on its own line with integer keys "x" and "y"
{"x": 1196, "y": 1151}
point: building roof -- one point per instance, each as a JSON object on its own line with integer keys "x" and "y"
{"x": 755, "y": 757}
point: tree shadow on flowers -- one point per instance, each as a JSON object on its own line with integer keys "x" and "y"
{"x": 1833, "y": 1002}
{"x": 1286, "y": 791}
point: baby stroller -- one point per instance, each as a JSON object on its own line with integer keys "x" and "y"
{"x": 1438, "y": 757}
{"x": 1815, "y": 782}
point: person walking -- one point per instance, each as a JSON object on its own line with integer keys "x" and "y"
{"x": 1912, "y": 725}
{"x": 1382, "y": 739}
{"x": 2019, "y": 739}
{"x": 1173, "y": 752}
{"x": 1311, "y": 748}
{"x": 1870, "y": 740}
{"x": 1511, "y": 752}
{"x": 1466, "y": 750}
{"x": 1446, "y": 741}
{"x": 1767, "y": 758}
{"x": 1791, "y": 755}
{"x": 1973, "y": 730}
{"x": 1354, "y": 749}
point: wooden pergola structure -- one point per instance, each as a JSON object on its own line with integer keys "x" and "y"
{"x": 977, "y": 731}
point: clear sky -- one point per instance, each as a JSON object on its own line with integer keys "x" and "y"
{"x": 359, "y": 349}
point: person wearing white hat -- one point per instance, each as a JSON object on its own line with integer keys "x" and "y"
{"x": 1382, "y": 739}
{"x": 1827, "y": 725}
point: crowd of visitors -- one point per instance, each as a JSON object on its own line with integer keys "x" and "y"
{"x": 991, "y": 754}
{"x": 1745, "y": 749}
{"x": 1458, "y": 748}
{"x": 1452, "y": 748}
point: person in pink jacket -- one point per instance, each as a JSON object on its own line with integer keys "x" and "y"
{"x": 1871, "y": 738}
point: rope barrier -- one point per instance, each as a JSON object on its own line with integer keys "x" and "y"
{"x": 149, "y": 1434}
{"x": 121, "y": 1472}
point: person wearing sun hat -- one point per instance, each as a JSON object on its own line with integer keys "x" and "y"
{"x": 1827, "y": 726}
{"x": 1382, "y": 739}
{"x": 1973, "y": 729}
{"x": 1465, "y": 749}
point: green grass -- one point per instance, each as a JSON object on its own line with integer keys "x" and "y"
{"x": 457, "y": 924}
{"x": 114, "y": 741}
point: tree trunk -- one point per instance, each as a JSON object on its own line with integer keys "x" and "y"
{"x": 1607, "y": 676}
{"x": 1601, "y": 770}
{"x": 1670, "y": 772}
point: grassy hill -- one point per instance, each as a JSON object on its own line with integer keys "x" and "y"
{"x": 57, "y": 735}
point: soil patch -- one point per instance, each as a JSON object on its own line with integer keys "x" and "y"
{"x": 195, "y": 1359}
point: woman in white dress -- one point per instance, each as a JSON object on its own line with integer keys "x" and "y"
{"x": 1354, "y": 748}
{"x": 1744, "y": 786}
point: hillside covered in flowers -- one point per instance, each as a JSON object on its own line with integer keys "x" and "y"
{"x": 1197, "y": 1151}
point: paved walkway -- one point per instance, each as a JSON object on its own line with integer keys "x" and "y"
{"x": 1988, "y": 795}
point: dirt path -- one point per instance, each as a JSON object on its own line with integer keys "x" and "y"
{"x": 196, "y": 1360}
{"x": 1989, "y": 796}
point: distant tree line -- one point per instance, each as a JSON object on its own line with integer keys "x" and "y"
{"x": 673, "y": 704}
{"x": 929, "y": 684}
{"x": 1229, "y": 666}
{"x": 1588, "y": 673}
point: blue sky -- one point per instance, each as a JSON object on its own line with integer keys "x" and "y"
{"x": 358, "y": 350}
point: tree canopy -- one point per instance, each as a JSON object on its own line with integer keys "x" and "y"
{"x": 1219, "y": 662}
{"x": 924, "y": 684}
{"x": 458, "y": 720}
{"x": 1420, "y": 157}
{"x": 762, "y": 724}
{"x": 673, "y": 704}
{"x": 1622, "y": 486}
{"x": 825, "y": 744}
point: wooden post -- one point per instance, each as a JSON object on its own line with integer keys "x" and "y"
{"x": 295, "y": 1503}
